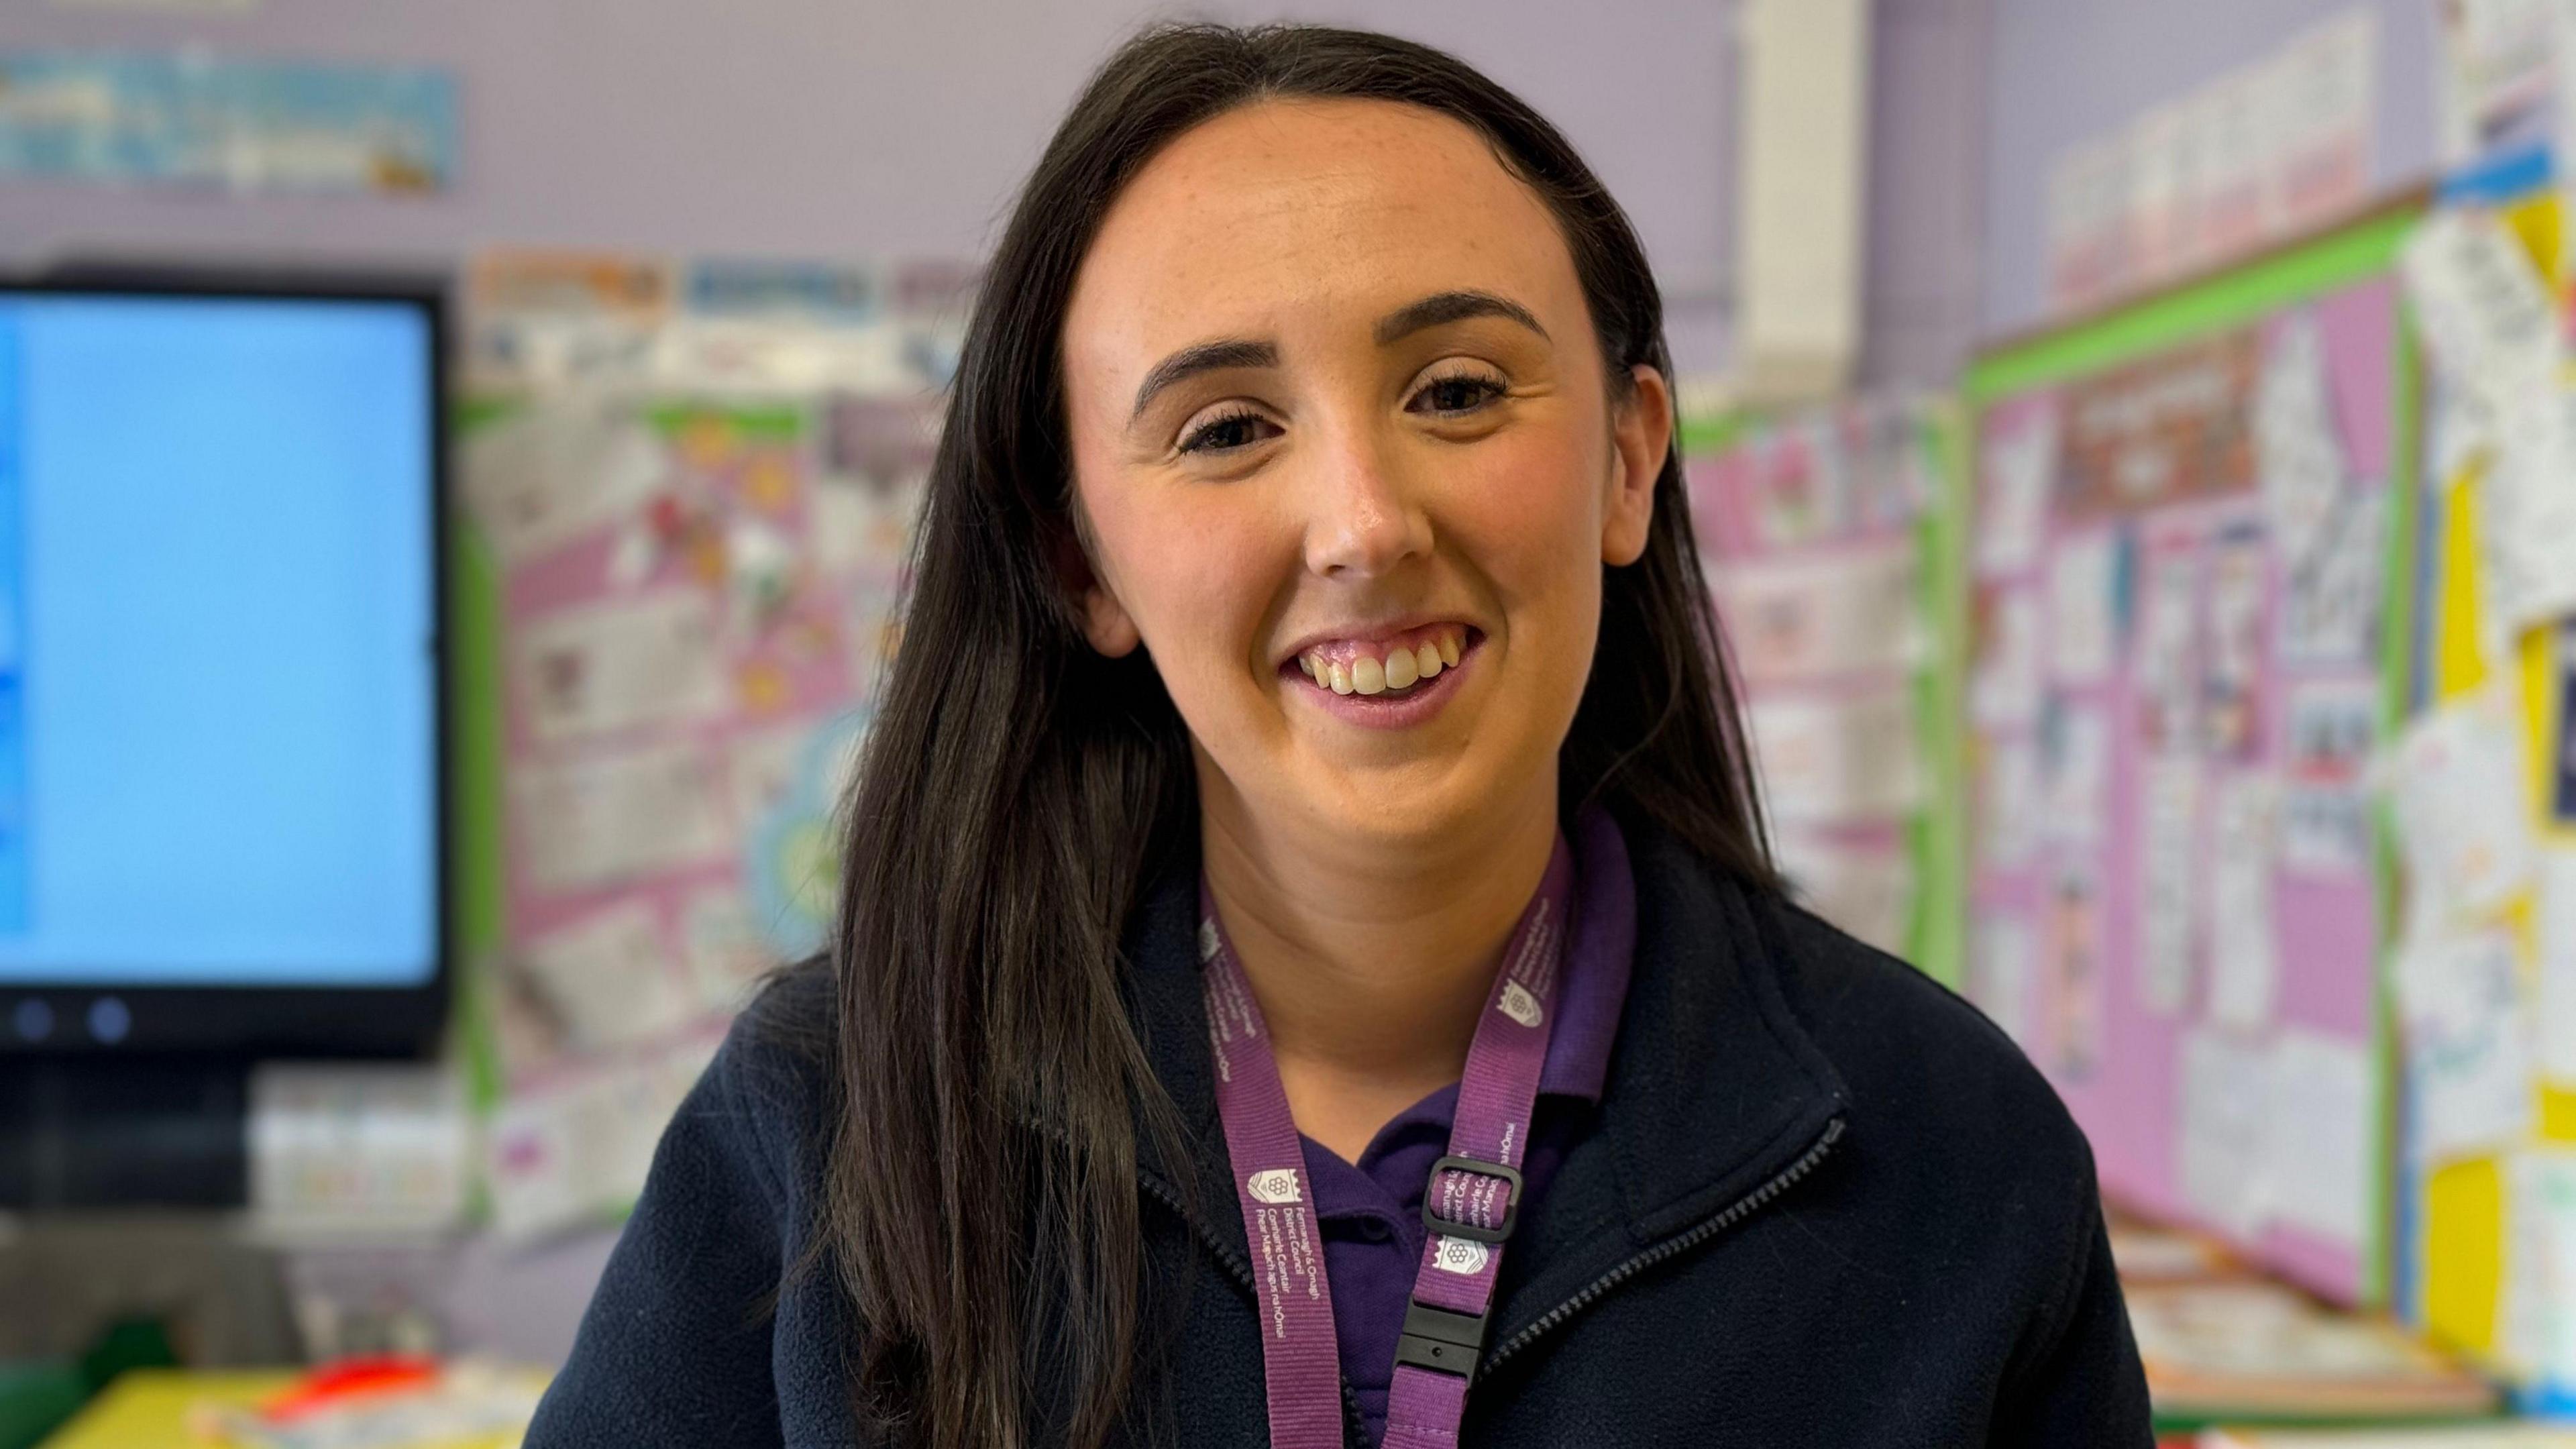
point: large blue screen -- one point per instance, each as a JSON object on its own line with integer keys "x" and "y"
{"x": 217, "y": 606}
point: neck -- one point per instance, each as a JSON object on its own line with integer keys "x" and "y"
{"x": 1371, "y": 960}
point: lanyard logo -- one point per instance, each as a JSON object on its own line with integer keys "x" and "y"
{"x": 1463, "y": 1256}
{"x": 1520, "y": 1006}
{"x": 1277, "y": 1184}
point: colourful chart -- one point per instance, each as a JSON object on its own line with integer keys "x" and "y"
{"x": 677, "y": 592}
{"x": 1823, "y": 542}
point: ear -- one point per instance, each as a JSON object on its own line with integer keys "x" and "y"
{"x": 1104, "y": 620}
{"x": 1641, "y": 436}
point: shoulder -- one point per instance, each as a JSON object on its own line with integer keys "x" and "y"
{"x": 1942, "y": 1104}
{"x": 767, "y": 1095}
{"x": 1946, "y": 1111}
{"x": 1900, "y": 1037}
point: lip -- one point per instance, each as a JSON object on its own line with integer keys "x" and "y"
{"x": 1414, "y": 707}
{"x": 1377, "y": 634}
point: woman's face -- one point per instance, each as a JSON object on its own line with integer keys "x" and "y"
{"x": 1350, "y": 463}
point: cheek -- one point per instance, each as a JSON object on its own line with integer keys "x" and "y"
{"x": 1196, "y": 570}
{"x": 1529, "y": 513}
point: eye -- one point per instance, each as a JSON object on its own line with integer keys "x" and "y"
{"x": 1455, "y": 394}
{"x": 1227, "y": 431}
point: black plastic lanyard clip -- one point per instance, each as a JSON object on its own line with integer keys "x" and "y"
{"x": 1441, "y": 1341}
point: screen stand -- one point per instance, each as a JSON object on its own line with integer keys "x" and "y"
{"x": 113, "y": 1131}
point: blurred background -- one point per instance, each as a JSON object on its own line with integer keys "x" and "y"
{"x": 457, "y": 463}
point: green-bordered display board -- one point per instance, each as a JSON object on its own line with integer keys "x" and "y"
{"x": 2188, "y": 573}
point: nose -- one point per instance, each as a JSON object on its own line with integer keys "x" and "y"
{"x": 1363, "y": 516}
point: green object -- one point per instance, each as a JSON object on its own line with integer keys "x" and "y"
{"x": 127, "y": 1343}
{"x": 475, "y": 725}
{"x": 2364, "y": 251}
{"x": 36, "y": 1399}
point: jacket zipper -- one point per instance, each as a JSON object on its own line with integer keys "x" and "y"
{"x": 1744, "y": 1207}
{"x": 1354, "y": 1430}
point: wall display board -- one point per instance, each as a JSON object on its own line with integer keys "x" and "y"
{"x": 2189, "y": 573}
{"x": 2484, "y": 801}
{"x": 692, "y": 492}
{"x": 1823, "y": 537}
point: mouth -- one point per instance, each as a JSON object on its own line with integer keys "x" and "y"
{"x": 1391, "y": 667}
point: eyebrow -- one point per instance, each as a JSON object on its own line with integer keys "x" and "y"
{"x": 1189, "y": 362}
{"x": 1445, "y": 307}
{"x": 1435, "y": 310}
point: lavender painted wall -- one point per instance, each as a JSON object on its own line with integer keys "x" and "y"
{"x": 794, "y": 126}
{"x": 802, "y": 127}
{"x": 2066, "y": 70}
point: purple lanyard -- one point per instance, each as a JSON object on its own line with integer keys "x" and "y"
{"x": 1470, "y": 1204}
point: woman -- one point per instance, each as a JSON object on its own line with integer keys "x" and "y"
{"x": 1308, "y": 964}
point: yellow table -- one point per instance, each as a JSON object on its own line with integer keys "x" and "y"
{"x": 148, "y": 1408}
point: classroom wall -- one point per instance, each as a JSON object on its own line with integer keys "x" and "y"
{"x": 800, "y": 127}
{"x": 2062, "y": 71}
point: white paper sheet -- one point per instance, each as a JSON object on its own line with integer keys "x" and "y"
{"x": 2013, "y": 509}
{"x": 2536, "y": 1318}
{"x": 2468, "y": 1044}
{"x": 2495, "y": 86}
{"x": 376, "y": 1147}
{"x": 1805, "y": 618}
{"x": 2331, "y": 597}
{"x": 2556, "y": 878}
{"x": 2005, "y": 689}
{"x": 1846, "y": 758}
{"x": 2527, "y": 510}
{"x": 2167, "y": 674}
{"x": 2456, "y": 790}
{"x": 1867, "y": 890}
{"x": 2009, "y": 805}
{"x": 2482, "y": 305}
{"x": 2083, "y": 608}
{"x": 2238, "y": 127}
{"x": 2225, "y": 1085}
{"x": 610, "y": 977}
{"x": 2244, "y": 950}
{"x": 2164, "y": 191}
{"x": 2325, "y": 89}
{"x": 2232, "y": 668}
{"x": 2075, "y": 772}
{"x": 2320, "y": 1120}
{"x": 2001, "y": 971}
{"x": 619, "y": 665}
{"x": 547, "y": 476}
{"x": 2298, "y": 456}
{"x": 2072, "y": 953}
{"x": 2333, "y": 729}
{"x": 2169, "y": 861}
{"x": 2087, "y": 221}
{"x": 723, "y": 947}
{"x": 597, "y": 821}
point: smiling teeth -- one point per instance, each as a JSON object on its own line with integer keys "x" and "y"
{"x": 1401, "y": 669}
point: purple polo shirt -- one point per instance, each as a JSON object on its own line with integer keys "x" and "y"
{"x": 1371, "y": 1211}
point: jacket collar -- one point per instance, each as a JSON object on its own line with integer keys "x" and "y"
{"x": 1714, "y": 1087}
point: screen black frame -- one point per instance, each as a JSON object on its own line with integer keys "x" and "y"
{"x": 288, "y": 1020}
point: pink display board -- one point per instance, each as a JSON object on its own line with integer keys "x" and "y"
{"x": 2179, "y": 574}
{"x": 1809, "y": 529}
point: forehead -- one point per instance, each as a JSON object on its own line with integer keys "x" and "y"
{"x": 1308, "y": 205}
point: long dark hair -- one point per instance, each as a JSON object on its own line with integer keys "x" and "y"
{"x": 1018, "y": 788}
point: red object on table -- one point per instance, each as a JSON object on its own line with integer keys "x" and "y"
{"x": 336, "y": 1383}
